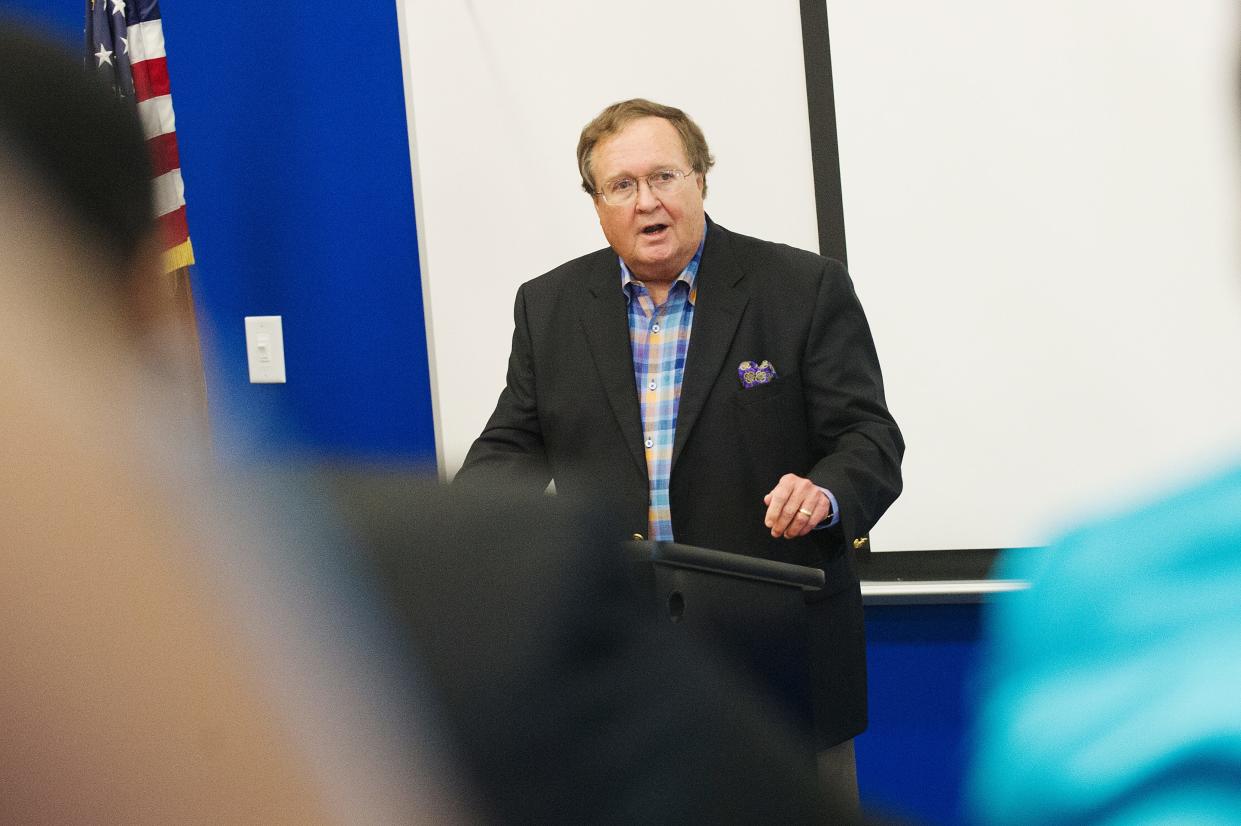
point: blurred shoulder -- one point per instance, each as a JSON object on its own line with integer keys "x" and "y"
{"x": 1110, "y": 670}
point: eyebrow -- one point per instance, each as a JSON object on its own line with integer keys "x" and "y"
{"x": 657, "y": 168}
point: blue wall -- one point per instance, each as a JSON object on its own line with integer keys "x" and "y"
{"x": 921, "y": 664}
{"x": 295, "y": 155}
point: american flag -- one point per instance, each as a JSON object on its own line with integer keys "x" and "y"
{"x": 125, "y": 44}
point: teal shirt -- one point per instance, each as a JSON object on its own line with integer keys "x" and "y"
{"x": 1111, "y": 691}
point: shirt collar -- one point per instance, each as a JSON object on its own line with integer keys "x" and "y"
{"x": 689, "y": 275}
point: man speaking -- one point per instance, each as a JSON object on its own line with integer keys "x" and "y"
{"x": 716, "y": 389}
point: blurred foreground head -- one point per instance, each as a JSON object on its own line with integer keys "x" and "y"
{"x": 160, "y": 663}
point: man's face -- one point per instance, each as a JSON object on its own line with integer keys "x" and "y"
{"x": 656, "y": 233}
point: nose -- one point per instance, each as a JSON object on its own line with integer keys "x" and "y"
{"x": 646, "y": 197}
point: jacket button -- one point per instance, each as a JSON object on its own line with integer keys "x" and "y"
{"x": 860, "y": 542}
{"x": 637, "y": 537}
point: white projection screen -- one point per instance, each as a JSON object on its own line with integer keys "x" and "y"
{"x": 1040, "y": 209}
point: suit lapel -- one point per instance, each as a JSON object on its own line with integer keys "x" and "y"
{"x": 605, "y": 322}
{"x": 716, "y": 315}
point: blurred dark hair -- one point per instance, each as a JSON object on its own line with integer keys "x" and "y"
{"x": 78, "y": 140}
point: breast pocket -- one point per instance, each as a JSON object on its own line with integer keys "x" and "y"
{"x": 763, "y": 394}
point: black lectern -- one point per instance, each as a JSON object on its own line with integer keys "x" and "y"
{"x": 751, "y": 609}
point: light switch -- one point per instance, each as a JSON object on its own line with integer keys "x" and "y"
{"x": 265, "y": 349}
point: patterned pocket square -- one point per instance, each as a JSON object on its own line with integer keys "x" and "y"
{"x": 754, "y": 375}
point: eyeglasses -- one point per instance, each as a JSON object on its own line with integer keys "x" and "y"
{"x": 623, "y": 190}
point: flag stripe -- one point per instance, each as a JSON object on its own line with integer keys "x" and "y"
{"x": 157, "y": 116}
{"x": 169, "y": 191}
{"x": 151, "y": 79}
{"x": 146, "y": 41}
{"x": 182, "y": 255}
{"x": 165, "y": 156}
{"x": 173, "y": 228}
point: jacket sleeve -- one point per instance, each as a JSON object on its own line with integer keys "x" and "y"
{"x": 511, "y": 449}
{"x": 851, "y": 429}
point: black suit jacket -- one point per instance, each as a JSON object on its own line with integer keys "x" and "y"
{"x": 569, "y": 412}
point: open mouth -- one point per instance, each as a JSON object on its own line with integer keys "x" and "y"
{"x": 654, "y": 229}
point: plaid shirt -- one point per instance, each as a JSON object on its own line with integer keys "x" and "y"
{"x": 659, "y": 339}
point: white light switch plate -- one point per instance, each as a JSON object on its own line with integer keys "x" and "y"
{"x": 265, "y": 349}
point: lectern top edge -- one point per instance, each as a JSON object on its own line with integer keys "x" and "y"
{"x": 723, "y": 562}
